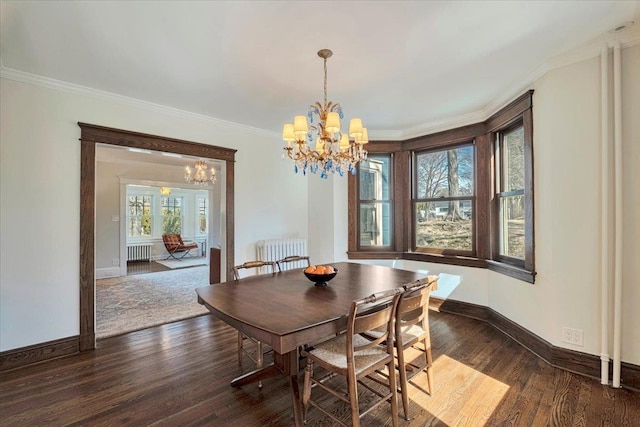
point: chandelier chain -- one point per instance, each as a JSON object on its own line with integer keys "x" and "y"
{"x": 325, "y": 81}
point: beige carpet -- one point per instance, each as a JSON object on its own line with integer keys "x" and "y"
{"x": 125, "y": 304}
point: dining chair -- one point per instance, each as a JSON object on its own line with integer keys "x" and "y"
{"x": 356, "y": 358}
{"x": 285, "y": 263}
{"x": 411, "y": 327}
{"x": 270, "y": 266}
{"x": 259, "y": 347}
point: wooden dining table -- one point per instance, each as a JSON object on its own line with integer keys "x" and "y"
{"x": 286, "y": 311}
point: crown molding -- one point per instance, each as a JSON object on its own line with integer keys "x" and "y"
{"x": 49, "y": 83}
{"x": 628, "y": 38}
{"x": 592, "y": 49}
{"x": 386, "y": 135}
{"x": 444, "y": 124}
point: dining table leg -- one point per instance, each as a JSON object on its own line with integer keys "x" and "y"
{"x": 290, "y": 365}
{"x": 296, "y": 400}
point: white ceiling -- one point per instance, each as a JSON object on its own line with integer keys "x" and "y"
{"x": 404, "y": 67}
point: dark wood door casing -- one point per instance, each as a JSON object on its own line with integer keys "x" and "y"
{"x": 92, "y": 135}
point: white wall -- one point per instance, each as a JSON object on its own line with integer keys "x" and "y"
{"x": 631, "y": 204}
{"x": 107, "y": 231}
{"x": 566, "y": 108}
{"x": 39, "y": 294}
{"x": 321, "y": 217}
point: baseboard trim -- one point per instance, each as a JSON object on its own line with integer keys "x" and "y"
{"x": 20, "y": 357}
{"x": 104, "y": 273}
{"x": 562, "y": 358}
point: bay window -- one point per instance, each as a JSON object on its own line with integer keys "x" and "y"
{"x": 462, "y": 196}
{"x": 150, "y": 214}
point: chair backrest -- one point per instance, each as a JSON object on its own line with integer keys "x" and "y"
{"x": 293, "y": 258}
{"x": 172, "y": 240}
{"x": 413, "y": 304}
{"x": 373, "y": 312}
{"x": 270, "y": 265}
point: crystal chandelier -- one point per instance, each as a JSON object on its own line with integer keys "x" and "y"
{"x": 200, "y": 178}
{"x": 334, "y": 151}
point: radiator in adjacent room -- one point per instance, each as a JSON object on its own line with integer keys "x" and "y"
{"x": 139, "y": 252}
{"x": 276, "y": 249}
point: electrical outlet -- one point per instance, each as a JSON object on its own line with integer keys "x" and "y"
{"x": 573, "y": 336}
{"x": 115, "y": 262}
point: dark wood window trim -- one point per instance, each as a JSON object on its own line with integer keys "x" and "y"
{"x": 453, "y": 253}
{"x": 517, "y": 268}
{"x": 483, "y": 134}
{"x": 390, "y": 201}
{"x": 92, "y": 135}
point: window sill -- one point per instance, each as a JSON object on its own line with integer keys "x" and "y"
{"x": 498, "y": 267}
{"x": 512, "y": 271}
{"x": 418, "y": 256}
{"x": 464, "y": 261}
{"x": 374, "y": 255}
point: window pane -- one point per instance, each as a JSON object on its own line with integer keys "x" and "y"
{"x": 374, "y": 179}
{"x": 172, "y": 205}
{"x": 202, "y": 215}
{"x": 513, "y": 157}
{"x": 171, "y": 224}
{"x": 436, "y": 227}
{"x": 139, "y": 216}
{"x": 139, "y": 205}
{"x": 171, "y": 215}
{"x": 140, "y": 226}
{"x": 446, "y": 173}
{"x": 375, "y": 224}
{"x": 512, "y": 215}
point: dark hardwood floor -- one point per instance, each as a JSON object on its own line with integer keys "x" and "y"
{"x": 143, "y": 267}
{"x": 178, "y": 375}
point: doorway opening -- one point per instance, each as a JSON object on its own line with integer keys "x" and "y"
{"x": 91, "y": 135}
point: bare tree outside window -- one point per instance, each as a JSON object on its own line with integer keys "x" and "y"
{"x": 443, "y": 205}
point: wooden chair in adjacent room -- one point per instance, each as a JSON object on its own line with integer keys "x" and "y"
{"x": 270, "y": 267}
{"x": 357, "y": 358}
{"x": 287, "y": 262}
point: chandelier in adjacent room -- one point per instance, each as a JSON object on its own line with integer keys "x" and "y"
{"x": 165, "y": 191}
{"x": 334, "y": 151}
{"x": 200, "y": 177}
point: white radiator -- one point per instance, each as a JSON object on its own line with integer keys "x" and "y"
{"x": 139, "y": 252}
{"x": 274, "y": 250}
